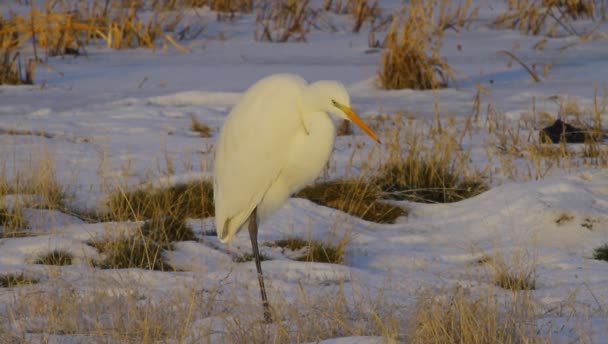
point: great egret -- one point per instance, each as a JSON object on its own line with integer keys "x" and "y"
{"x": 276, "y": 140}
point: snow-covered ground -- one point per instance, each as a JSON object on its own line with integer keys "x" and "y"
{"x": 118, "y": 117}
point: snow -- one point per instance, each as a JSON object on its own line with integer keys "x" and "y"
{"x": 123, "y": 118}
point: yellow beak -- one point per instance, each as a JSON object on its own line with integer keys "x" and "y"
{"x": 352, "y": 115}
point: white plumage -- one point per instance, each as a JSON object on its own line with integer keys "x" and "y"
{"x": 275, "y": 141}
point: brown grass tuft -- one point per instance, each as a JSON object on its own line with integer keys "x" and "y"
{"x": 35, "y": 177}
{"x": 16, "y": 280}
{"x": 168, "y": 229}
{"x": 131, "y": 252}
{"x": 230, "y": 6}
{"x": 360, "y": 10}
{"x": 437, "y": 172}
{"x": 201, "y": 128}
{"x": 545, "y": 16}
{"x": 316, "y": 251}
{"x": 355, "y": 197}
{"x": 193, "y": 199}
{"x": 248, "y": 257}
{"x": 13, "y": 223}
{"x": 412, "y": 44}
{"x": 427, "y": 181}
{"x": 11, "y": 70}
{"x": 519, "y": 274}
{"x": 57, "y": 257}
{"x": 284, "y": 20}
{"x": 344, "y": 128}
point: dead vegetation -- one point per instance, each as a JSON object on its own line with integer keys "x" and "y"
{"x": 102, "y": 316}
{"x": 192, "y": 199}
{"x": 201, "y": 128}
{"x": 32, "y": 183}
{"x": 319, "y": 316}
{"x": 458, "y": 316}
{"x": 427, "y": 180}
{"x": 136, "y": 316}
{"x": 428, "y": 165}
{"x": 227, "y": 6}
{"x": 412, "y": 59}
{"x": 59, "y": 29}
{"x": 131, "y": 252}
{"x": 545, "y": 17}
{"x": 11, "y": 280}
{"x": 360, "y": 10}
{"x": 344, "y": 128}
{"x": 315, "y": 250}
{"x": 165, "y": 210}
{"x": 12, "y": 71}
{"x": 519, "y": 142}
{"x": 284, "y": 20}
{"x": 167, "y": 230}
{"x": 517, "y": 274}
{"x": 13, "y": 223}
{"x": 356, "y": 197}
{"x": 56, "y": 257}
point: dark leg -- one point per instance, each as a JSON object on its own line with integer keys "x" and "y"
{"x": 253, "y": 234}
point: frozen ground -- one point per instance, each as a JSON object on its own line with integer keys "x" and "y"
{"x": 117, "y": 116}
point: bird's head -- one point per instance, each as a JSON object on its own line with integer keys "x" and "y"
{"x": 332, "y": 97}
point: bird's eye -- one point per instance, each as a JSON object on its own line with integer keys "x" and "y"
{"x": 336, "y": 104}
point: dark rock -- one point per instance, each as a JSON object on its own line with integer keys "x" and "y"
{"x": 561, "y": 130}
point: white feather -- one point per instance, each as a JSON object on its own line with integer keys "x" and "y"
{"x": 275, "y": 141}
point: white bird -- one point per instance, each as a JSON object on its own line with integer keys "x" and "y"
{"x": 275, "y": 141}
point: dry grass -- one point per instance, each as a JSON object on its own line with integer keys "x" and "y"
{"x": 427, "y": 180}
{"x": 167, "y": 230}
{"x": 201, "y": 128}
{"x": 165, "y": 211}
{"x": 344, "y": 128}
{"x": 221, "y": 6}
{"x": 458, "y": 317}
{"x": 545, "y": 16}
{"x": 131, "y": 252}
{"x": 12, "y": 71}
{"x": 248, "y": 257}
{"x": 360, "y": 10}
{"x": 30, "y": 182}
{"x": 523, "y": 155}
{"x": 16, "y": 280}
{"x": 144, "y": 249}
{"x": 317, "y": 316}
{"x": 60, "y": 28}
{"x": 412, "y": 59}
{"x": 108, "y": 315}
{"x": 519, "y": 274}
{"x": 127, "y": 314}
{"x": 433, "y": 169}
{"x": 193, "y": 199}
{"x": 57, "y": 257}
{"x": 316, "y": 251}
{"x": 245, "y": 6}
{"x": 284, "y": 20}
{"x": 356, "y": 197}
{"x": 35, "y": 176}
{"x": 13, "y": 223}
